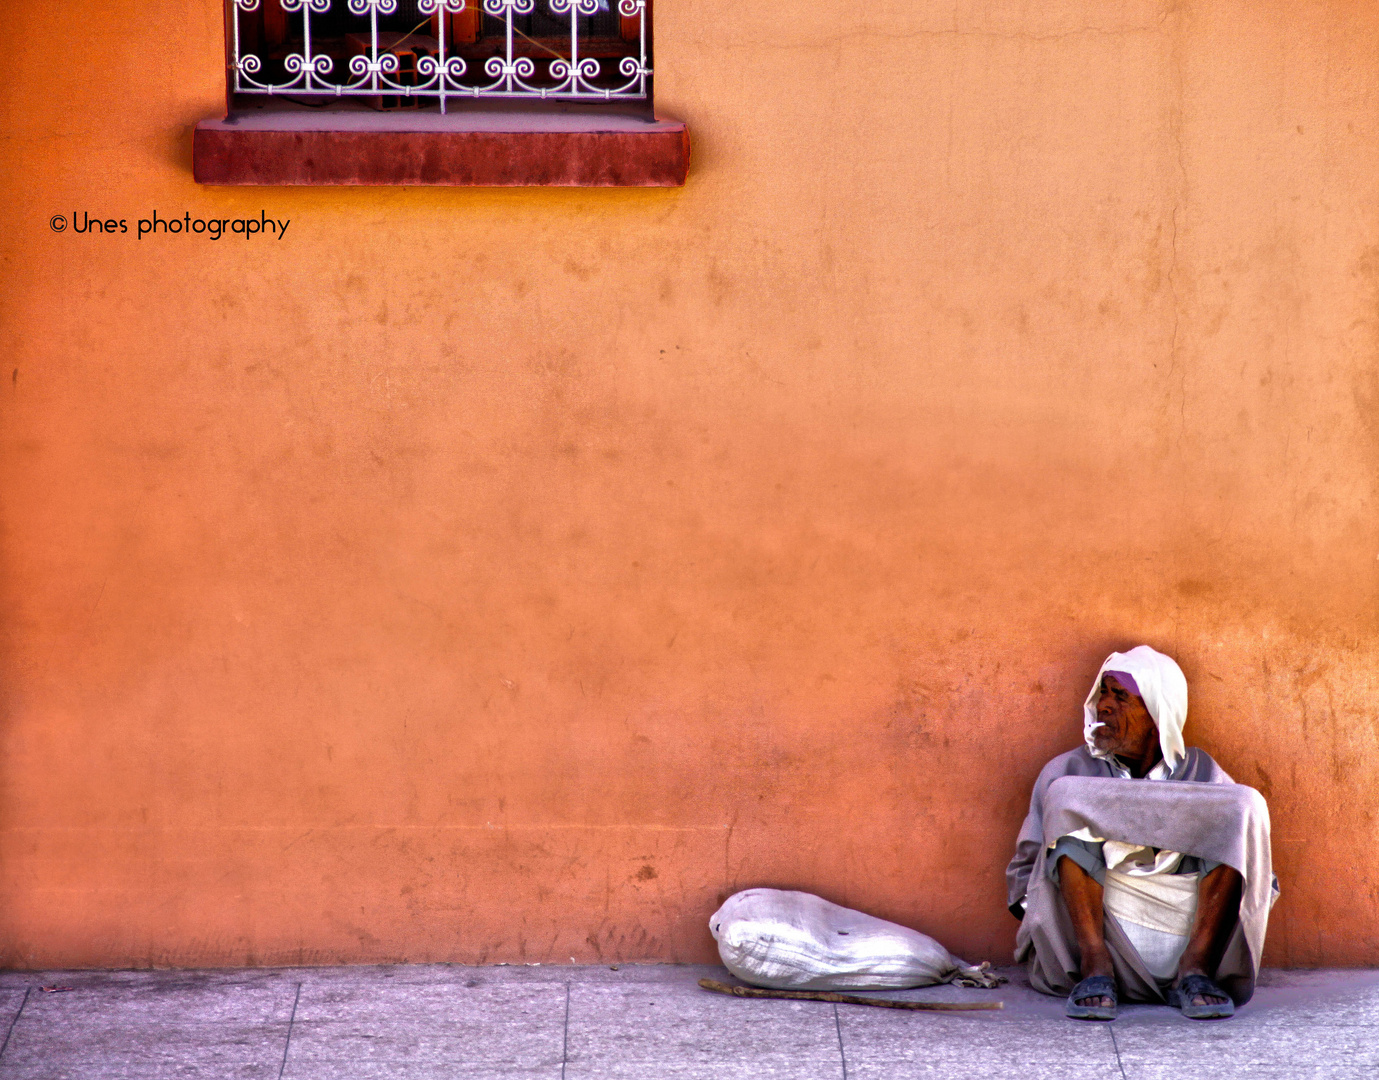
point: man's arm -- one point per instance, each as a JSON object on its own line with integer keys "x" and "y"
{"x": 1026, "y": 850}
{"x": 1031, "y": 838}
{"x": 1017, "y": 876}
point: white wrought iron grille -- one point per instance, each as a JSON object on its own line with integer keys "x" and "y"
{"x": 419, "y": 53}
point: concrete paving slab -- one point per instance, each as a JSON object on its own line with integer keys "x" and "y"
{"x": 1217, "y": 1071}
{"x": 507, "y": 1043}
{"x": 402, "y": 1070}
{"x": 469, "y": 1002}
{"x": 466, "y": 1025}
{"x": 140, "y": 1025}
{"x": 715, "y": 1070}
{"x": 185, "y": 997}
{"x": 1030, "y": 1033}
{"x": 675, "y": 1029}
{"x": 437, "y": 974}
{"x": 138, "y": 1071}
{"x": 876, "y": 1036}
{"x": 1231, "y": 1043}
{"x": 720, "y": 1070}
{"x": 41, "y": 1041}
{"x": 976, "y": 1069}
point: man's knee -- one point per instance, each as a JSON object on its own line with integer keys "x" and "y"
{"x": 1244, "y": 809}
{"x": 1062, "y": 794}
{"x": 1254, "y": 802}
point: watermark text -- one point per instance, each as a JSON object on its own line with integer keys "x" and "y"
{"x": 83, "y": 223}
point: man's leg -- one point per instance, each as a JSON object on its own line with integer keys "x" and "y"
{"x": 1218, "y": 908}
{"x": 1082, "y": 896}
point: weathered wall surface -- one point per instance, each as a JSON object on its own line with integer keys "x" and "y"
{"x": 511, "y": 575}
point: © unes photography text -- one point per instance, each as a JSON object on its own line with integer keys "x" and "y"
{"x": 83, "y": 222}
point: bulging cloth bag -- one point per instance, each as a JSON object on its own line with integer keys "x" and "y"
{"x": 797, "y": 941}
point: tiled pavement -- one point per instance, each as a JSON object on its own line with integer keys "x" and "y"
{"x": 581, "y": 1023}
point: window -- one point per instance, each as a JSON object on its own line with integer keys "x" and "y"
{"x": 501, "y": 92}
{"x": 390, "y": 54}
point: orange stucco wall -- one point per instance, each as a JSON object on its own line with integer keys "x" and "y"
{"x": 511, "y": 575}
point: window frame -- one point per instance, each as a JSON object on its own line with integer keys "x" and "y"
{"x": 582, "y": 142}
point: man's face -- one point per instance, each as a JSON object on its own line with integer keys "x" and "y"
{"x": 1126, "y": 728}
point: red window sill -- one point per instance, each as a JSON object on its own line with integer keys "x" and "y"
{"x": 461, "y": 149}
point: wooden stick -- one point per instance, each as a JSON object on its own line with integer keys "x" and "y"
{"x": 851, "y": 999}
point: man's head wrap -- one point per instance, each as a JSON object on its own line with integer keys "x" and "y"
{"x": 1160, "y": 683}
{"x": 1125, "y": 679}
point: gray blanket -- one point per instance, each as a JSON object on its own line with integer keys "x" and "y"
{"x": 1200, "y": 811}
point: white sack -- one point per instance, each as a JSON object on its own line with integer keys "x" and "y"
{"x": 796, "y": 941}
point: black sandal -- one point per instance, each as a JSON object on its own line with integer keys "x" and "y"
{"x": 1189, "y": 987}
{"x": 1094, "y": 986}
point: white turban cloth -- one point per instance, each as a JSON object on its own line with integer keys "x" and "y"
{"x": 1162, "y": 685}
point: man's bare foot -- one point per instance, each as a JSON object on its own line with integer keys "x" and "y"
{"x": 1093, "y": 970}
{"x": 1094, "y": 998}
{"x": 1201, "y": 999}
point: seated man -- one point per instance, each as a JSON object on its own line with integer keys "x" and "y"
{"x": 1142, "y": 872}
